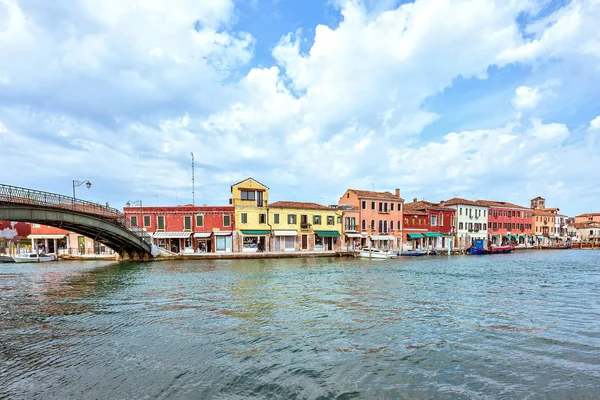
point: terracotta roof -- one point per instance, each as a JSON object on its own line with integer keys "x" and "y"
{"x": 539, "y": 198}
{"x": 589, "y": 215}
{"x": 542, "y": 213}
{"x": 492, "y": 203}
{"x": 375, "y": 195}
{"x": 457, "y": 200}
{"x": 408, "y": 213}
{"x": 300, "y": 205}
{"x": 424, "y": 205}
{"x": 586, "y": 224}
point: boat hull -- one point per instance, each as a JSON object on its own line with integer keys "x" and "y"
{"x": 28, "y": 258}
{"x": 413, "y": 253}
{"x": 490, "y": 250}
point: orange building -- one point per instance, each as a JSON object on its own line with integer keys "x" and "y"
{"x": 379, "y": 217}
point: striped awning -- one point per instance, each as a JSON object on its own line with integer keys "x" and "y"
{"x": 354, "y": 235}
{"x": 202, "y": 234}
{"x": 222, "y": 233}
{"x": 381, "y": 237}
{"x": 172, "y": 235}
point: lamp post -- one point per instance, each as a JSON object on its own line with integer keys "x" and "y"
{"x": 87, "y": 183}
{"x": 135, "y": 203}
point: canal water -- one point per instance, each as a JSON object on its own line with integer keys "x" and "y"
{"x": 522, "y": 325}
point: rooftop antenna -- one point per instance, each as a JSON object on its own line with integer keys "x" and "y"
{"x": 193, "y": 188}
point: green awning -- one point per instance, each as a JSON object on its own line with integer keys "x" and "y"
{"x": 259, "y": 232}
{"x": 328, "y": 233}
{"x": 507, "y": 236}
{"x": 432, "y": 234}
{"x": 516, "y": 237}
{"x": 414, "y": 235}
{"x": 496, "y": 236}
{"x": 552, "y": 237}
{"x": 539, "y": 237}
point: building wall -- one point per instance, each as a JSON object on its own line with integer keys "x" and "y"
{"x": 469, "y": 214}
{"x": 588, "y": 217}
{"x": 521, "y": 218}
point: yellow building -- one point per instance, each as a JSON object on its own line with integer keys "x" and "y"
{"x": 284, "y": 225}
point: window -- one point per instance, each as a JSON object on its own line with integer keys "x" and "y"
{"x": 330, "y": 220}
{"x": 380, "y": 226}
{"x": 276, "y": 218}
{"x": 372, "y": 205}
{"x": 385, "y": 207}
{"x": 398, "y": 226}
{"x": 226, "y": 220}
{"x": 160, "y": 221}
{"x": 392, "y": 223}
{"x": 133, "y": 220}
{"x": 470, "y": 225}
{"x": 391, "y": 207}
{"x": 433, "y": 220}
{"x": 484, "y": 227}
{"x": 339, "y": 220}
{"x": 380, "y": 206}
{"x": 248, "y": 195}
{"x": 460, "y": 225}
{"x": 364, "y": 225}
{"x": 484, "y": 213}
{"x": 385, "y": 226}
{"x": 262, "y": 218}
{"x": 187, "y": 222}
{"x": 441, "y": 222}
{"x": 364, "y": 205}
{"x": 146, "y": 220}
{"x": 372, "y": 224}
{"x": 316, "y": 220}
{"x": 399, "y": 206}
{"x": 244, "y": 218}
{"x": 292, "y": 219}
{"x": 452, "y": 221}
{"x": 199, "y": 220}
{"x": 460, "y": 211}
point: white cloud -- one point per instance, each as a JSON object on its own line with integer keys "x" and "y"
{"x": 526, "y": 98}
{"x": 595, "y": 124}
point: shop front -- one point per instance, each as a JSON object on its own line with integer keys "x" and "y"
{"x": 47, "y": 243}
{"x": 203, "y": 242}
{"x": 254, "y": 240}
{"x": 174, "y": 242}
{"x": 433, "y": 240}
{"x": 352, "y": 240}
{"x": 414, "y": 241}
{"x": 222, "y": 241}
{"x": 326, "y": 240}
{"x": 284, "y": 240}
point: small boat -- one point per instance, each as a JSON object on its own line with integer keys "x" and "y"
{"x": 474, "y": 250}
{"x": 33, "y": 258}
{"x": 414, "y": 253}
{"x": 368, "y": 252}
{"x": 6, "y": 259}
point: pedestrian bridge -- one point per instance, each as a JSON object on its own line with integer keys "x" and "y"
{"x": 104, "y": 224}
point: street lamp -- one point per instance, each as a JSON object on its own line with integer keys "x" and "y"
{"x": 87, "y": 183}
{"x": 135, "y": 203}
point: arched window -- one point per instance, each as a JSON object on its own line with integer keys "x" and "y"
{"x": 364, "y": 224}
{"x": 392, "y": 224}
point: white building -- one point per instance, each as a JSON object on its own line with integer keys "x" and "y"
{"x": 471, "y": 221}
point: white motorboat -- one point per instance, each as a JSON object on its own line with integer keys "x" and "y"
{"x": 368, "y": 252}
{"x": 33, "y": 258}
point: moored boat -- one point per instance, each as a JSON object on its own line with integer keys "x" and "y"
{"x": 414, "y": 253}
{"x": 368, "y": 252}
{"x": 33, "y": 258}
{"x": 478, "y": 248}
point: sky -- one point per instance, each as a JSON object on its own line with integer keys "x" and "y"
{"x": 480, "y": 99}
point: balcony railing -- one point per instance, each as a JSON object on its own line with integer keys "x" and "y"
{"x": 305, "y": 226}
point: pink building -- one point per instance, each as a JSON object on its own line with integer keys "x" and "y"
{"x": 379, "y": 217}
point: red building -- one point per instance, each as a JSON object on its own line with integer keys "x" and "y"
{"x": 186, "y": 228}
{"x": 428, "y": 224}
{"x": 507, "y": 222}
{"x": 13, "y": 236}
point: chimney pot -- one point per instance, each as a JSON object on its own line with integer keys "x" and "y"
{"x": 398, "y": 193}
{"x": 414, "y": 200}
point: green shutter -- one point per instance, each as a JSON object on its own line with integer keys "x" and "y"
{"x": 187, "y": 222}
{"x": 199, "y": 220}
{"x": 146, "y": 220}
{"x": 161, "y": 222}
{"x": 226, "y": 220}
{"x": 275, "y": 218}
{"x": 134, "y": 221}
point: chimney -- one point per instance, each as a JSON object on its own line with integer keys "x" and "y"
{"x": 398, "y": 193}
{"x": 414, "y": 200}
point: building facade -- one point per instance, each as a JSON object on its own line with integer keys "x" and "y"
{"x": 253, "y": 228}
{"x": 470, "y": 221}
{"x": 432, "y": 221}
{"x": 186, "y": 229}
{"x": 508, "y": 223}
{"x": 13, "y": 237}
{"x": 379, "y": 217}
{"x": 549, "y": 227}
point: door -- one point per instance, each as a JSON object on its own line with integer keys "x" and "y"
{"x": 290, "y": 243}
{"x": 259, "y": 199}
{"x": 81, "y": 244}
{"x": 328, "y": 243}
{"x": 304, "y": 242}
{"x": 277, "y": 243}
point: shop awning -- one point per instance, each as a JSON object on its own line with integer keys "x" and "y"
{"x": 414, "y": 235}
{"x": 496, "y": 236}
{"x": 286, "y": 233}
{"x": 353, "y": 235}
{"x": 328, "y": 233}
{"x": 172, "y": 235}
{"x": 507, "y": 236}
{"x": 222, "y": 233}
{"x": 202, "y": 234}
{"x": 382, "y": 237}
{"x": 516, "y": 237}
{"x": 41, "y": 236}
{"x": 258, "y": 232}
{"x": 552, "y": 237}
{"x": 432, "y": 234}
{"x": 539, "y": 237}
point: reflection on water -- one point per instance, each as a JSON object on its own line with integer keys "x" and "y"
{"x": 517, "y": 325}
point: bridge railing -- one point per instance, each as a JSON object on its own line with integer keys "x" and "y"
{"x": 19, "y": 195}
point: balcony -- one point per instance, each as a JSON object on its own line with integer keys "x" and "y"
{"x": 305, "y": 226}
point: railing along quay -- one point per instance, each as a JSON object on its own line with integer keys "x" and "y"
{"x": 18, "y": 195}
